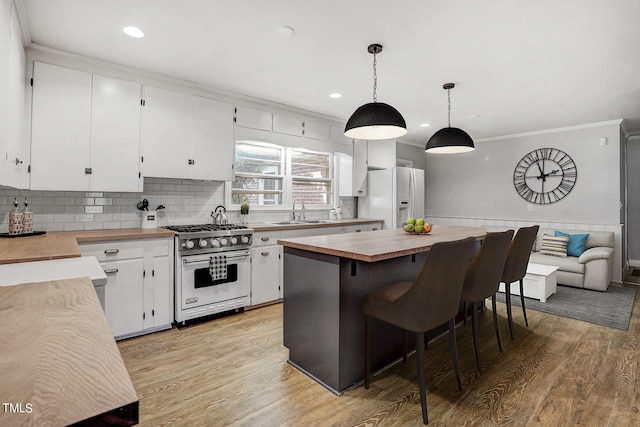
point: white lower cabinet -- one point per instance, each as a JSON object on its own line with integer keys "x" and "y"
{"x": 139, "y": 291}
{"x": 266, "y": 274}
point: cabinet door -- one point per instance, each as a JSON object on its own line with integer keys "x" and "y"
{"x": 18, "y": 143}
{"x": 123, "y": 296}
{"x": 344, "y": 174}
{"x": 60, "y": 128}
{"x": 288, "y": 125}
{"x": 166, "y": 133}
{"x": 5, "y": 42}
{"x": 213, "y": 147}
{"x": 251, "y": 118}
{"x": 381, "y": 154}
{"x": 359, "y": 167}
{"x": 115, "y": 135}
{"x": 266, "y": 274}
{"x": 317, "y": 130}
{"x": 162, "y": 291}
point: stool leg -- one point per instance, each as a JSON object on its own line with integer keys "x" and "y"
{"x": 476, "y": 338}
{"x": 495, "y": 321}
{"x": 367, "y": 350}
{"x": 421, "y": 380}
{"x": 405, "y": 347}
{"x": 454, "y": 350}
{"x": 524, "y": 310}
{"x": 507, "y": 300}
{"x": 466, "y": 311}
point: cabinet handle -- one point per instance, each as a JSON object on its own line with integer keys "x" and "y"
{"x": 88, "y": 171}
{"x": 358, "y": 230}
{"x": 111, "y": 270}
{"x": 374, "y": 229}
{"x": 192, "y": 162}
{"x": 264, "y": 239}
{"x": 265, "y": 253}
{"x": 111, "y": 251}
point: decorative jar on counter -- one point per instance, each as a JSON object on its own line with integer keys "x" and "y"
{"x": 16, "y": 219}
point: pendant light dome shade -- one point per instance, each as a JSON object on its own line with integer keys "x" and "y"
{"x": 449, "y": 140}
{"x": 375, "y": 120}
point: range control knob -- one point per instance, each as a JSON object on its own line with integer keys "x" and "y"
{"x": 245, "y": 239}
{"x": 215, "y": 243}
{"x": 203, "y": 243}
{"x": 234, "y": 240}
{"x": 224, "y": 241}
{"x": 189, "y": 244}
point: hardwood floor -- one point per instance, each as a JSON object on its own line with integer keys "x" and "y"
{"x": 233, "y": 371}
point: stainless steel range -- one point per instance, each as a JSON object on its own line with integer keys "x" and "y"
{"x": 212, "y": 269}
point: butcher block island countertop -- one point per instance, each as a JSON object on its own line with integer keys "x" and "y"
{"x": 59, "y": 362}
{"x": 372, "y": 246}
{"x": 64, "y": 244}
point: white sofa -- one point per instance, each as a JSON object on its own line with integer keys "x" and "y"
{"x": 591, "y": 270}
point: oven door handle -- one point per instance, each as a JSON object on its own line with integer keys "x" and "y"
{"x": 233, "y": 257}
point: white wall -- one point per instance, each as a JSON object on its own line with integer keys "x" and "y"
{"x": 633, "y": 201}
{"x": 477, "y": 188}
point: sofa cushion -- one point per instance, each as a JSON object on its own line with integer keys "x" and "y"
{"x": 577, "y": 243}
{"x": 554, "y": 245}
{"x": 596, "y": 238}
{"x": 570, "y": 264}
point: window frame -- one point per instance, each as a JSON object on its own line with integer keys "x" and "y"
{"x": 287, "y": 180}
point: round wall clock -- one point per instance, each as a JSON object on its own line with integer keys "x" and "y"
{"x": 545, "y": 175}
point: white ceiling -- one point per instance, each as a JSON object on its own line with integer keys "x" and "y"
{"x": 518, "y": 65}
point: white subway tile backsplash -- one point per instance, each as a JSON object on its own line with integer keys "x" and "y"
{"x": 104, "y": 201}
{"x": 93, "y": 209}
{"x": 85, "y": 201}
{"x": 74, "y": 209}
{"x": 64, "y": 201}
{"x": 94, "y": 194}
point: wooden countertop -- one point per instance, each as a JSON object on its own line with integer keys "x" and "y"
{"x": 64, "y": 244}
{"x": 58, "y": 359}
{"x": 372, "y": 246}
{"x": 267, "y": 226}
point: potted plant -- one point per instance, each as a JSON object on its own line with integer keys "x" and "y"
{"x": 244, "y": 211}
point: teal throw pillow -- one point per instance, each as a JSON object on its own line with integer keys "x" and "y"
{"x": 577, "y": 243}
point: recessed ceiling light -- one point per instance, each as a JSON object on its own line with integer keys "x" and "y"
{"x": 424, "y": 125}
{"x": 134, "y": 32}
{"x": 284, "y": 31}
{"x": 335, "y": 95}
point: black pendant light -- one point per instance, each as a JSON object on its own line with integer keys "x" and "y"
{"x": 449, "y": 140}
{"x": 375, "y": 120}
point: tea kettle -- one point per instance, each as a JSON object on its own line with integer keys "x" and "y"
{"x": 219, "y": 215}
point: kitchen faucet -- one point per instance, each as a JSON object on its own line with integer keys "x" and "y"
{"x": 303, "y": 215}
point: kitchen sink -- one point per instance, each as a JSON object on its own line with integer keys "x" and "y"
{"x": 313, "y": 221}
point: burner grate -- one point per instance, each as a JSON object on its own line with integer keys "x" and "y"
{"x": 204, "y": 227}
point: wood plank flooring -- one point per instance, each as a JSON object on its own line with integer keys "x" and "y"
{"x": 233, "y": 372}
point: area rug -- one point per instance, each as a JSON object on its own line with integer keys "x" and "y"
{"x": 612, "y": 308}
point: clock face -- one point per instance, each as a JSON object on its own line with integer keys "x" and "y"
{"x": 545, "y": 175}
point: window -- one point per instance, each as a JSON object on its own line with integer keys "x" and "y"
{"x": 311, "y": 177}
{"x": 269, "y": 175}
{"x": 259, "y": 175}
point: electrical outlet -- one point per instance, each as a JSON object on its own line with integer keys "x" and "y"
{"x": 530, "y": 207}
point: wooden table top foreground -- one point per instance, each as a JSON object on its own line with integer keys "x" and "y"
{"x": 372, "y": 246}
{"x": 59, "y": 364}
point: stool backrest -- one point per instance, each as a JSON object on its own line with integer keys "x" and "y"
{"x": 519, "y": 252}
{"x": 434, "y": 297}
{"x": 485, "y": 271}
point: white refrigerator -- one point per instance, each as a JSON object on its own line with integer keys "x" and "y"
{"x": 393, "y": 195}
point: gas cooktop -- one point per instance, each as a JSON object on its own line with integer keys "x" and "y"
{"x": 194, "y": 228}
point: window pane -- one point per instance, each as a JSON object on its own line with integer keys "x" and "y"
{"x": 312, "y": 165}
{"x": 312, "y": 192}
{"x": 259, "y": 171}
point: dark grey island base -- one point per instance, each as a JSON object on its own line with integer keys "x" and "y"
{"x": 323, "y": 299}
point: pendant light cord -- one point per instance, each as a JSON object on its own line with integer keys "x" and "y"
{"x": 449, "y": 106}
{"x": 375, "y": 78}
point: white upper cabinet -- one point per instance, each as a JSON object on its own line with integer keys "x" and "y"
{"x": 381, "y": 154}
{"x": 115, "y": 134}
{"x": 317, "y": 130}
{"x": 60, "y": 128}
{"x": 165, "y": 144}
{"x": 359, "y": 167}
{"x": 18, "y": 142}
{"x": 288, "y": 125}
{"x": 81, "y": 125}
{"x": 213, "y": 148}
{"x": 344, "y": 174}
{"x": 252, "y": 118}
{"x": 5, "y": 40}
{"x": 186, "y": 136}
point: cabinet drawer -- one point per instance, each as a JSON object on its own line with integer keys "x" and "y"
{"x": 113, "y": 251}
{"x": 266, "y": 238}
